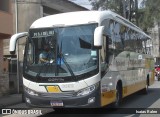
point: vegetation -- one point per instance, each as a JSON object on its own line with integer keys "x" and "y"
{"x": 114, "y": 5}
{"x": 149, "y": 14}
{"x": 146, "y": 15}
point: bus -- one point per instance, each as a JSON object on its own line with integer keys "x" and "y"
{"x": 98, "y": 58}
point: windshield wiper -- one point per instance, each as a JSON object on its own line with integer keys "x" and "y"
{"x": 65, "y": 62}
{"x": 69, "y": 68}
{"x": 42, "y": 68}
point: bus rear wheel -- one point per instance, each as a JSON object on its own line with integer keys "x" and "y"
{"x": 118, "y": 100}
{"x": 145, "y": 90}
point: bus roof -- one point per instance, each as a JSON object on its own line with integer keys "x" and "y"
{"x": 81, "y": 17}
{"x": 70, "y": 18}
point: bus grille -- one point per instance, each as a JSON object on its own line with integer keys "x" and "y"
{"x": 58, "y": 95}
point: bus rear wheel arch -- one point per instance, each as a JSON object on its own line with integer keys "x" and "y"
{"x": 118, "y": 95}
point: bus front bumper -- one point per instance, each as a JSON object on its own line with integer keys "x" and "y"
{"x": 89, "y": 101}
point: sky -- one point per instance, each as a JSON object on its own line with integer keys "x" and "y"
{"x": 86, "y": 3}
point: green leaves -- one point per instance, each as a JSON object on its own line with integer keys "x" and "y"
{"x": 146, "y": 16}
{"x": 114, "y": 5}
{"x": 149, "y": 14}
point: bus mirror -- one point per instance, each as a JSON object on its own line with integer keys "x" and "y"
{"x": 98, "y": 37}
{"x": 13, "y": 40}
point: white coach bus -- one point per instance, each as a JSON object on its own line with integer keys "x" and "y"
{"x": 84, "y": 59}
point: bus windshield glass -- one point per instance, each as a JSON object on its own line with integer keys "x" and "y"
{"x": 61, "y": 51}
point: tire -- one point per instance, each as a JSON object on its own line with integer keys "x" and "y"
{"x": 118, "y": 100}
{"x": 145, "y": 90}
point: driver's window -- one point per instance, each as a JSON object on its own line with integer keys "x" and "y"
{"x": 30, "y": 54}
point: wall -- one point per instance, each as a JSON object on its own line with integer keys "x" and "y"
{"x": 5, "y": 25}
{"x": 4, "y": 78}
{"x": 6, "y": 30}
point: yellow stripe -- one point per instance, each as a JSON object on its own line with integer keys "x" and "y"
{"x": 127, "y": 90}
{"x": 109, "y": 97}
{"x": 53, "y": 89}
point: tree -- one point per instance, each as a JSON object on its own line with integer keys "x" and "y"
{"x": 144, "y": 16}
{"x": 114, "y": 5}
{"x": 125, "y": 8}
{"x": 149, "y": 14}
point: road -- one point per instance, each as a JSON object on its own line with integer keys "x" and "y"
{"x": 137, "y": 100}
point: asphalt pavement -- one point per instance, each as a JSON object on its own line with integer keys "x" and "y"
{"x": 9, "y": 100}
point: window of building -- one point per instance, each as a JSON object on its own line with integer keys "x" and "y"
{"x": 4, "y": 5}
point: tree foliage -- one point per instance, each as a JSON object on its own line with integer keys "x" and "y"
{"x": 146, "y": 15}
{"x": 114, "y": 5}
{"x": 149, "y": 14}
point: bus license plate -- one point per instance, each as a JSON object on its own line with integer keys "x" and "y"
{"x": 56, "y": 103}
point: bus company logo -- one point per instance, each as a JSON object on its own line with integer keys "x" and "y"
{"x": 55, "y": 79}
{"x": 6, "y": 111}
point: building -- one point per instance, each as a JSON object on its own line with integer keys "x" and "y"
{"x": 27, "y": 12}
{"x": 6, "y": 30}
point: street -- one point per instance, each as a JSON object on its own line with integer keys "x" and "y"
{"x": 137, "y": 100}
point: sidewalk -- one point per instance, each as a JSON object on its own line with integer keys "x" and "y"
{"x": 10, "y": 100}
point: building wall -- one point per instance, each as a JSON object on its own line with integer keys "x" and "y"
{"x": 5, "y": 25}
{"x": 1, "y": 55}
{"x": 6, "y": 30}
{"x": 4, "y": 77}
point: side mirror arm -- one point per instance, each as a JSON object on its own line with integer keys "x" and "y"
{"x": 13, "y": 40}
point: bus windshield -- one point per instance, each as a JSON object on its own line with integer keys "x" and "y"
{"x": 61, "y": 51}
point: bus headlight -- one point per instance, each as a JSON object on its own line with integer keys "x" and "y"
{"x": 30, "y": 91}
{"x": 86, "y": 91}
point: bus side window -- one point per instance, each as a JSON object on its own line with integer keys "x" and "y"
{"x": 108, "y": 48}
{"x": 104, "y": 48}
{"x": 109, "y": 40}
{"x": 103, "y": 57}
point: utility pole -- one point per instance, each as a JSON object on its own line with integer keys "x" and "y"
{"x": 16, "y": 20}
